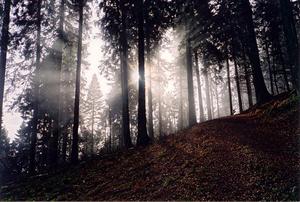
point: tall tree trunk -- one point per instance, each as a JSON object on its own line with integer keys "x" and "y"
{"x": 53, "y": 156}
{"x": 269, "y": 68}
{"x": 275, "y": 75}
{"x": 201, "y": 111}
{"x": 149, "y": 65}
{"x": 74, "y": 154}
{"x": 291, "y": 38}
{"x": 211, "y": 97}
{"x": 217, "y": 97}
{"x": 262, "y": 94}
{"x": 285, "y": 76}
{"x": 110, "y": 128}
{"x": 180, "y": 115}
{"x": 4, "y": 43}
{"x": 142, "y": 138}
{"x": 150, "y": 108}
{"x": 159, "y": 112}
{"x": 33, "y": 138}
{"x": 208, "y": 105}
{"x": 68, "y": 79}
{"x": 229, "y": 87}
{"x": 191, "y": 99}
{"x": 237, "y": 80}
{"x": 247, "y": 78}
{"x": 124, "y": 75}
{"x": 93, "y": 122}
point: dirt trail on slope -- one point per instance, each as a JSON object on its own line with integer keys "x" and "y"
{"x": 252, "y": 156}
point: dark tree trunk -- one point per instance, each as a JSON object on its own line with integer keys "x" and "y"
{"x": 142, "y": 138}
{"x": 262, "y": 94}
{"x": 217, "y": 97}
{"x": 124, "y": 75}
{"x": 191, "y": 99}
{"x": 180, "y": 115}
{"x": 110, "y": 128}
{"x": 208, "y": 105}
{"x": 93, "y": 122}
{"x": 74, "y": 153}
{"x": 159, "y": 112}
{"x": 290, "y": 34}
{"x": 211, "y": 98}
{"x": 237, "y": 80}
{"x": 229, "y": 87}
{"x": 150, "y": 108}
{"x": 65, "y": 108}
{"x": 247, "y": 78}
{"x": 53, "y": 150}
{"x": 4, "y": 43}
{"x": 269, "y": 68}
{"x": 36, "y": 91}
{"x": 201, "y": 111}
{"x": 275, "y": 75}
{"x": 285, "y": 76}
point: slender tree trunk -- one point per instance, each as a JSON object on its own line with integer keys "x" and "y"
{"x": 32, "y": 163}
{"x": 4, "y": 43}
{"x": 150, "y": 108}
{"x": 110, "y": 129}
{"x": 201, "y": 111}
{"x": 74, "y": 154}
{"x": 284, "y": 71}
{"x": 237, "y": 80}
{"x": 191, "y": 100}
{"x": 93, "y": 122}
{"x": 159, "y": 113}
{"x": 124, "y": 75}
{"x": 142, "y": 138}
{"x": 180, "y": 115}
{"x": 292, "y": 43}
{"x": 229, "y": 87}
{"x": 275, "y": 76}
{"x": 217, "y": 97}
{"x": 269, "y": 67}
{"x": 211, "y": 97}
{"x": 262, "y": 94}
{"x": 149, "y": 65}
{"x": 208, "y": 105}
{"x": 68, "y": 78}
{"x": 247, "y": 78}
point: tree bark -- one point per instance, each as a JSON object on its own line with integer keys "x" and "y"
{"x": 247, "y": 78}
{"x": 150, "y": 108}
{"x": 262, "y": 94}
{"x": 208, "y": 105}
{"x": 4, "y": 43}
{"x": 142, "y": 137}
{"x": 201, "y": 111}
{"x": 191, "y": 99}
{"x": 237, "y": 80}
{"x": 124, "y": 75}
{"x": 74, "y": 154}
{"x": 269, "y": 68}
{"x": 229, "y": 87}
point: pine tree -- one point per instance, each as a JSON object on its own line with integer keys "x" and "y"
{"x": 93, "y": 111}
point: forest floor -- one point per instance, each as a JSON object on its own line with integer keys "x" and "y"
{"x": 251, "y": 156}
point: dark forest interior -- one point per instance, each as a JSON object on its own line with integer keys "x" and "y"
{"x": 149, "y": 100}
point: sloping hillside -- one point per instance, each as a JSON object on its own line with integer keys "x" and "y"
{"x": 252, "y": 156}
